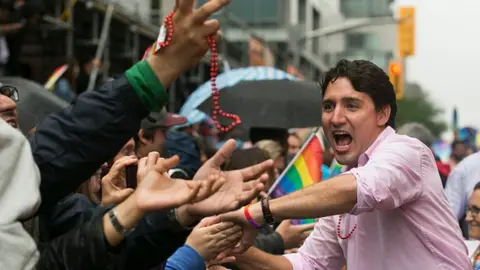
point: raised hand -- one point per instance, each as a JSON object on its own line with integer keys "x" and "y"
{"x": 114, "y": 188}
{"x": 240, "y": 187}
{"x": 157, "y": 191}
{"x": 191, "y": 27}
{"x": 211, "y": 237}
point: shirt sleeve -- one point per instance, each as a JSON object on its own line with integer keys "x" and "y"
{"x": 455, "y": 191}
{"x": 185, "y": 258}
{"x": 321, "y": 250}
{"x": 391, "y": 178}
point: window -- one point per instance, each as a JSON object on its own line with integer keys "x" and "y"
{"x": 302, "y": 10}
{"x": 316, "y": 25}
{"x": 365, "y": 8}
{"x": 255, "y": 11}
{"x": 369, "y": 41}
{"x": 155, "y": 12}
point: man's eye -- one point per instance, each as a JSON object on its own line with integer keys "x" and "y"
{"x": 352, "y": 106}
{"x": 327, "y": 107}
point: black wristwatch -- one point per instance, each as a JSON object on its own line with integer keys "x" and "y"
{"x": 176, "y": 225}
{"x": 267, "y": 214}
{"x": 116, "y": 224}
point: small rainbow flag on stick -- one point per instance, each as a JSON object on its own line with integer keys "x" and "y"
{"x": 52, "y": 80}
{"x": 303, "y": 170}
{"x": 149, "y": 51}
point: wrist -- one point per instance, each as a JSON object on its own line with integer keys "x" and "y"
{"x": 254, "y": 215}
{"x": 129, "y": 213}
{"x": 184, "y": 217}
{"x": 165, "y": 72}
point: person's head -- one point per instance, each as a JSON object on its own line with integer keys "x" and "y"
{"x": 274, "y": 151}
{"x": 127, "y": 150}
{"x": 473, "y": 218}
{"x": 418, "y": 131}
{"x": 8, "y": 107}
{"x": 459, "y": 150}
{"x": 243, "y": 158}
{"x": 294, "y": 143}
{"x": 358, "y": 104}
{"x": 91, "y": 187}
{"x": 153, "y": 131}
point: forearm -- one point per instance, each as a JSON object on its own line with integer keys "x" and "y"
{"x": 335, "y": 196}
{"x": 165, "y": 73}
{"x": 128, "y": 215}
{"x": 254, "y": 258}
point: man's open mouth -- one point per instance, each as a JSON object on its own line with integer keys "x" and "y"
{"x": 342, "y": 139}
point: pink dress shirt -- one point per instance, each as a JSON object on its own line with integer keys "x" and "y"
{"x": 404, "y": 221}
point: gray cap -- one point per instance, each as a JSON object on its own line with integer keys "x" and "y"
{"x": 162, "y": 119}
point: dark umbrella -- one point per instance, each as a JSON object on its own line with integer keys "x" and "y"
{"x": 271, "y": 103}
{"x": 35, "y": 102}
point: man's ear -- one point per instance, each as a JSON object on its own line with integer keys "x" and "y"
{"x": 383, "y": 115}
{"x": 141, "y": 137}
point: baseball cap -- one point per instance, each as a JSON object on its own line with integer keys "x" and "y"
{"x": 162, "y": 119}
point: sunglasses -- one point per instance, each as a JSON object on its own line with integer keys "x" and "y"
{"x": 9, "y": 91}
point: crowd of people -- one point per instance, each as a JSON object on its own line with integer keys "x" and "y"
{"x": 116, "y": 182}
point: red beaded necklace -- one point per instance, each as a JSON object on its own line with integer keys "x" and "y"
{"x": 168, "y": 23}
{"x": 338, "y": 229}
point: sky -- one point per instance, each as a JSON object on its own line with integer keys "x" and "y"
{"x": 447, "y": 59}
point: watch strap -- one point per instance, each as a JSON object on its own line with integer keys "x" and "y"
{"x": 116, "y": 224}
{"x": 267, "y": 214}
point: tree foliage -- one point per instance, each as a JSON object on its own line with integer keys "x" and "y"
{"x": 417, "y": 107}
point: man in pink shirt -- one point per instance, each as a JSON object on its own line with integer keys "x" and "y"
{"x": 388, "y": 211}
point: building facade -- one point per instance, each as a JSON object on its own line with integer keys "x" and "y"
{"x": 375, "y": 42}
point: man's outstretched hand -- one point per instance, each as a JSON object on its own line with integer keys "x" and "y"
{"x": 159, "y": 192}
{"x": 239, "y": 187}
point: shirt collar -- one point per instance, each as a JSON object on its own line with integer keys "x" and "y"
{"x": 363, "y": 158}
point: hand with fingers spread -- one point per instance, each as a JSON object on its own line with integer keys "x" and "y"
{"x": 211, "y": 237}
{"x": 114, "y": 188}
{"x": 158, "y": 192}
{"x": 188, "y": 45}
{"x": 240, "y": 187}
{"x": 294, "y": 235}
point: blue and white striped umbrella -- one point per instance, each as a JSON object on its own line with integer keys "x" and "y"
{"x": 231, "y": 78}
{"x": 193, "y": 117}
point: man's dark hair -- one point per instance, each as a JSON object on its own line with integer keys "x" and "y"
{"x": 477, "y": 186}
{"x": 368, "y": 78}
{"x": 148, "y": 134}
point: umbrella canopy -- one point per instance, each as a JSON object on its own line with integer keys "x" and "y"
{"x": 35, "y": 103}
{"x": 231, "y": 78}
{"x": 271, "y": 103}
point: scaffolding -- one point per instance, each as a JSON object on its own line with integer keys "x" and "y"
{"x": 118, "y": 32}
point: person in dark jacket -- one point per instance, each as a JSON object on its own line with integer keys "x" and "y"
{"x": 105, "y": 233}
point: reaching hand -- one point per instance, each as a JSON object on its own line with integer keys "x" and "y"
{"x": 191, "y": 27}
{"x": 114, "y": 188}
{"x": 158, "y": 192}
{"x": 211, "y": 237}
{"x": 249, "y": 232}
{"x": 294, "y": 235}
{"x": 238, "y": 189}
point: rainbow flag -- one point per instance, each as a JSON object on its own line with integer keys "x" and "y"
{"x": 303, "y": 170}
{"x": 336, "y": 168}
{"x": 52, "y": 80}
{"x": 149, "y": 51}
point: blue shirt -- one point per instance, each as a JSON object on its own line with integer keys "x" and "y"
{"x": 185, "y": 258}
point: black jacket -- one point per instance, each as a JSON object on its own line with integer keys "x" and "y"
{"x": 68, "y": 148}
